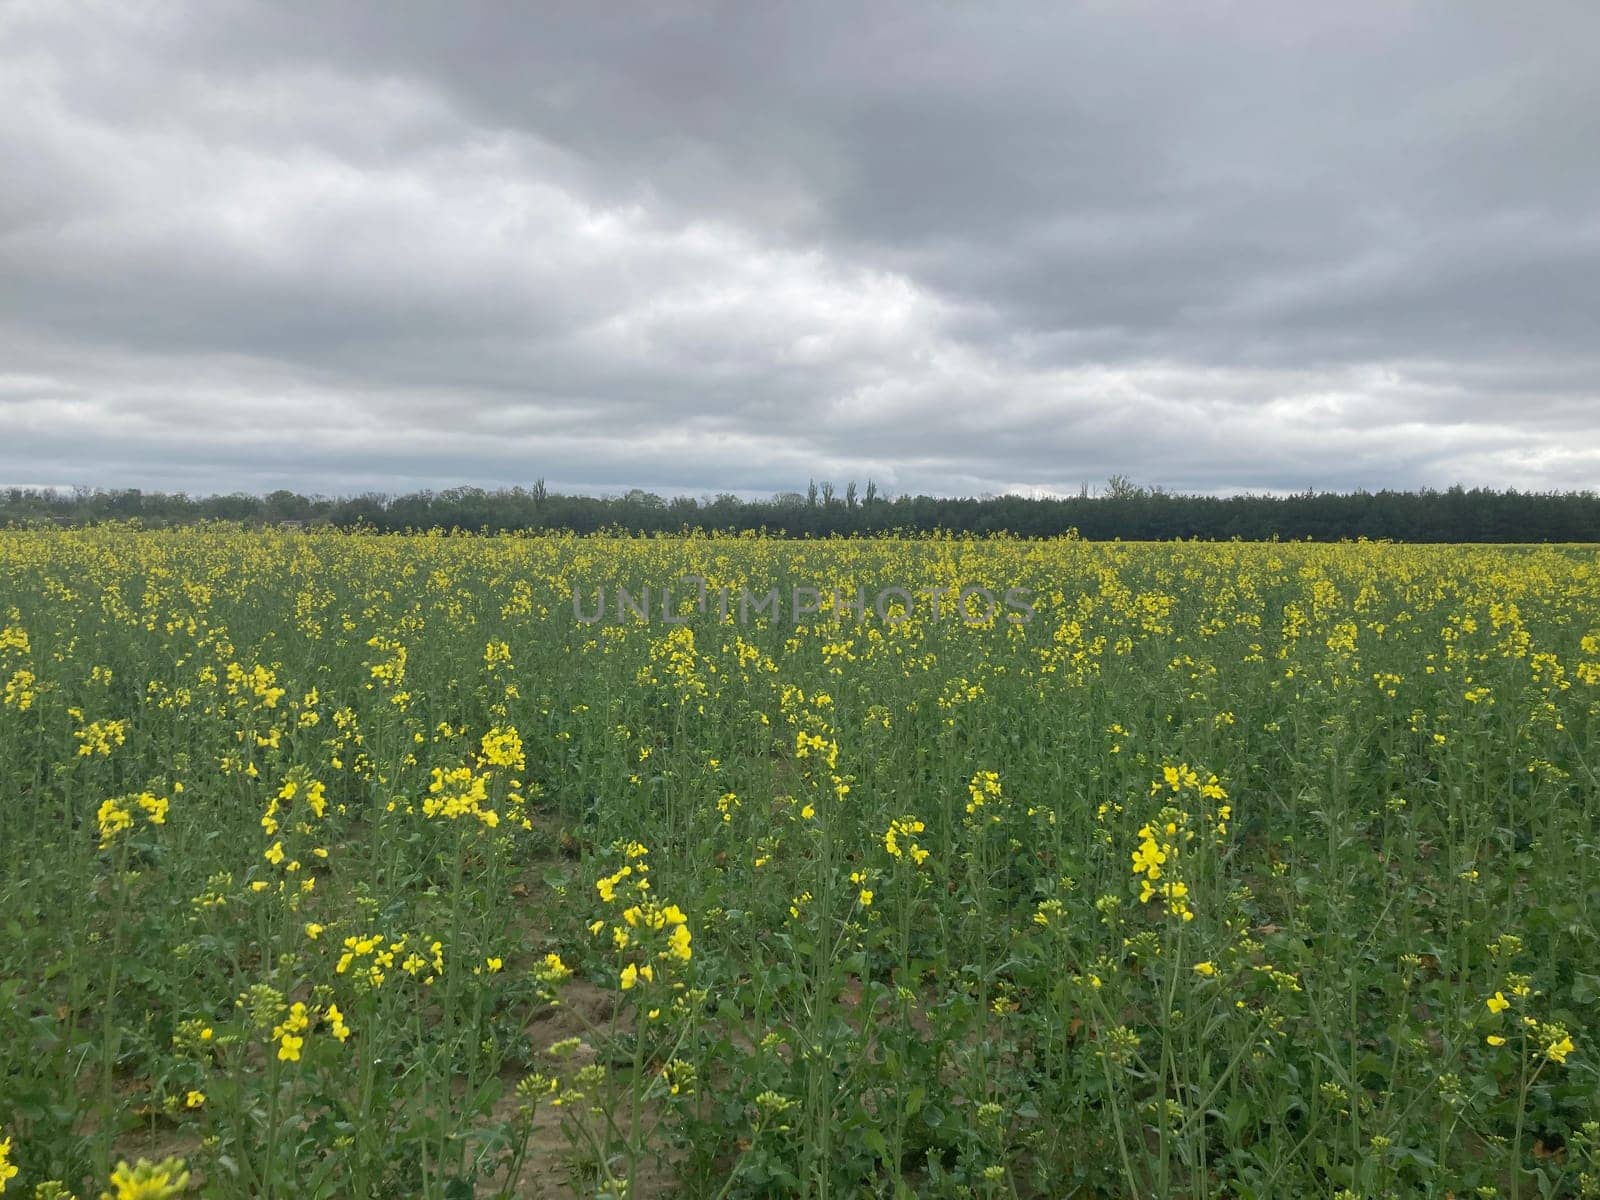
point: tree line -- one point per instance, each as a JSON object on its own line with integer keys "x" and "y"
{"x": 1120, "y": 510}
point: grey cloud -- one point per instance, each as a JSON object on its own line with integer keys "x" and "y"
{"x": 704, "y": 247}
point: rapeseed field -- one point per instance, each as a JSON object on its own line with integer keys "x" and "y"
{"x": 341, "y": 865}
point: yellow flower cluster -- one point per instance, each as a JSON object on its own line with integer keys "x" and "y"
{"x": 21, "y": 690}
{"x": 1588, "y": 670}
{"x": 550, "y": 972}
{"x": 311, "y": 792}
{"x": 115, "y": 815}
{"x": 459, "y": 792}
{"x": 677, "y": 660}
{"x": 900, "y": 840}
{"x": 1175, "y": 780}
{"x": 375, "y": 955}
{"x": 290, "y": 1033}
{"x": 1155, "y": 862}
{"x": 258, "y": 683}
{"x": 336, "y": 1023}
{"x": 652, "y": 917}
{"x": 649, "y": 932}
{"x": 99, "y": 737}
{"x": 815, "y": 741}
{"x": 860, "y": 881}
{"x": 634, "y": 869}
{"x": 148, "y": 1181}
{"x": 984, "y": 788}
{"x": 502, "y": 747}
{"x": 390, "y": 671}
{"x": 805, "y": 743}
{"x": 8, "y": 1169}
{"x": 113, "y": 818}
{"x": 1553, "y": 1040}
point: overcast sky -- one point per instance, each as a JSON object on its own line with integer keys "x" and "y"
{"x": 955, "y": 247}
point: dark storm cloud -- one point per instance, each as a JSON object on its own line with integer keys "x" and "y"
{"x": 952, "y": 247}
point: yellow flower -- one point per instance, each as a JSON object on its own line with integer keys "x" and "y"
{"x": 607, "y": 887}
{"x": 194, "y": 1099}
{"x": 313, "y": 930}
{"x": 8, "y": 1169}
{"x": 503, "y": 748}
{"x": 678, "y": 943}
{"x": 1208, "y": 969}
{"x": 494, "y": 964}
{"x": 1149, "y": 857}
{"x": 19, "y": 693}
{"x": 113, "y": 819}
{"x": 1497, "y": 1003}
{"x": 289, "y": 1048}
{"x": 551, "y": 971}
{"x": 155, "y": 807}
{"x": 336, "y": 1023}
{"x": 907, "y": 828}
{"x": 1557, "y": 1051}
{"x": 148, "y": 1181}
{"x": 1495, "y": 1040}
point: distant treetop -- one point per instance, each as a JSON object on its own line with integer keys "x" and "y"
{"x": 1124, "y": 510}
